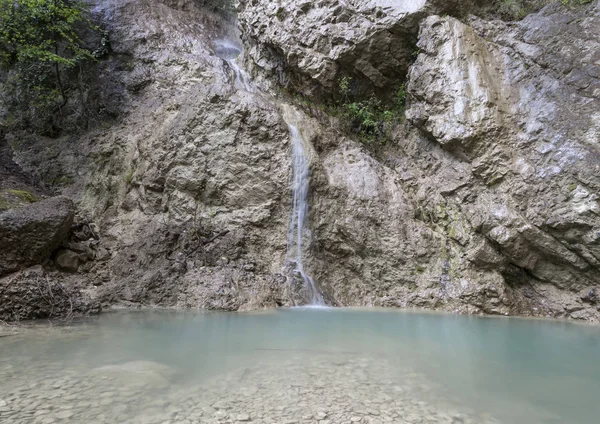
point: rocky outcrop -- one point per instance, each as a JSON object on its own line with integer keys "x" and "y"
{"x": 524, "y": 117}
{"x": 30, "y": 234}
{"x": 16, "y": 187}
{"x": 308, "y": 45}
{"x": 485, "y": 200}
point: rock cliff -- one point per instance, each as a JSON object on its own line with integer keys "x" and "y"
{"x": 484, "y": 201}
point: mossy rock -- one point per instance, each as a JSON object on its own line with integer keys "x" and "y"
{"x": 13, "y": 198}
{"x": 24, "y": 195}
{"x": 4, "y": 203}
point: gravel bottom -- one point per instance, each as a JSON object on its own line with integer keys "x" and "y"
{"x": 286, "y": 388}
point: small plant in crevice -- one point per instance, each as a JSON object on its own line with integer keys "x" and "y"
{"x": 371, "y": 119}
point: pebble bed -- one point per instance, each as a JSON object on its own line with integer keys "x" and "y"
{"x": 284, "y": 388}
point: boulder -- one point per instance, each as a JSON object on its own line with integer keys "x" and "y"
{"x": 29, "y": 235}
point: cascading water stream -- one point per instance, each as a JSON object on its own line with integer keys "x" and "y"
{"x": 242, "y": 81}
{"x": 228, "y": 51}
{"x": 299, "y": 213}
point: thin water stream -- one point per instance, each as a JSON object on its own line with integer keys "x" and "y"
{"x": 302, "y": 366}
{"x": 229, "y": 51}
{"x": 300, "y": 189}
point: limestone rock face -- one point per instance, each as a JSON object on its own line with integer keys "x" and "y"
{"x": 487, "y": 202}
{"x": 484, "y": 201}
{"x": 310, "y": 45}
{"x": 524, "y": 117}
{"x": 189, "y": 190}
{"x": 28, "y": 235}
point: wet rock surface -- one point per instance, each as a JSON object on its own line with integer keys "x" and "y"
{"x": 483, "y": 203}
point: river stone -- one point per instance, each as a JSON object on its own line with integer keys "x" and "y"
{"x": 28, "y": 235}
{"x": 135, "y": 374}
{"x": 63, "y": 415}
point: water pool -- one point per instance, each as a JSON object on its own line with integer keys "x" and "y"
{"x": 301, "y": 366}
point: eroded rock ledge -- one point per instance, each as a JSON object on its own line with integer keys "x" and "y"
{"x": 308, "y": 46}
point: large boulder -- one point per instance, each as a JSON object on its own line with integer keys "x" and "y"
{"x": 310, "y": 45}
{"x": 30, "y": 234}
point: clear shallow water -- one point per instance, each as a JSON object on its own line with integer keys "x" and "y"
{"x": 304, "y": 366}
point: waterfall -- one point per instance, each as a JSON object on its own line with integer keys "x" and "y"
{"x": 242, "y": 80}
{"x": 229, "y": 51}
{"x": 299, "y": 212}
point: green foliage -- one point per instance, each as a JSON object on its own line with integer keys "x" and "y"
{"x": 575, "y": 2}
{"x": 344, "y": 84}
{"x": 370, "y": 119}
{"x": 41, "y": 31}
{"x": 39, "y": 42}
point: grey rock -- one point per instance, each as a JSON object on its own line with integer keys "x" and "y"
{"x": 486, "y": 201}
{"x": 313, "y": 44}
{"x": 28, "y": 235}
{"x": 67, "y": 260}
{"x": 63, "y": 415}
{"x": 493, "y": 94}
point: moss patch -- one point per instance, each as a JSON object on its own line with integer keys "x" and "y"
{"x": 4, "y": 204}
{"x": 420, "y": 269}
{"x": 128, "y": 177}
{"x": 24, "y": 196}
